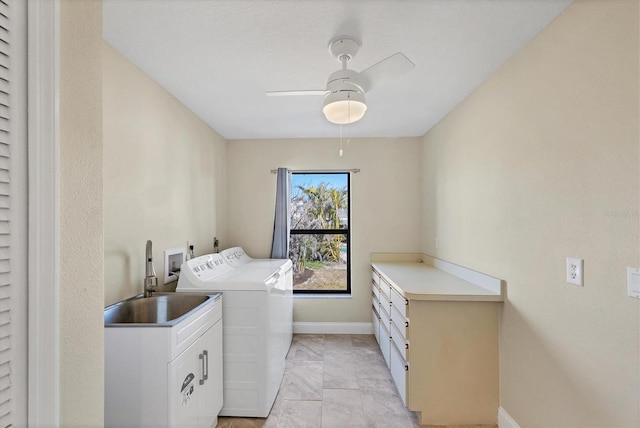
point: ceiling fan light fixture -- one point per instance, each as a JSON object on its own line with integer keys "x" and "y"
{"x": 344, "y": 107}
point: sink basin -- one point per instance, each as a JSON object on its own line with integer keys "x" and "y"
{"x": 162, "y": 310}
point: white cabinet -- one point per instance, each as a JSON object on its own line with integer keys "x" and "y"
{"x": 439, "y": 337}
{"x": 195, "y": 382}
{"x": 166, "y": 376}
{"x": 392, "y": 325}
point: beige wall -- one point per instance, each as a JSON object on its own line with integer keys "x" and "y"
{"x": 385, "y": 205}
{"x": 164, "y": 177}
{"x": 540, "y": 163}
{"x": 81, "y": 253}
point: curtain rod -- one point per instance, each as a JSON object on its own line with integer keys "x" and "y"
{"x": 319, "y": 171}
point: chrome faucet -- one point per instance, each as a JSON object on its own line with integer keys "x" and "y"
{"x": 150, "y": 280}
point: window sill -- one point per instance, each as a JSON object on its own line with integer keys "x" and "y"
{"x": 321, "y": 296}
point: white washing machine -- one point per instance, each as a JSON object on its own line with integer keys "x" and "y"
{"x": 257, "y": 309}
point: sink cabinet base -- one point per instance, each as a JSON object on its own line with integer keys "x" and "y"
{"x": 165, "y": 376}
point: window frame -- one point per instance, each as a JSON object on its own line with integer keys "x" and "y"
{"x": 346, "y": 231}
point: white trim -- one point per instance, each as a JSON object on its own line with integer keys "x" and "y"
{"x": 43, "y": 19}
{"x": 333, "y": 327}
{"x": 506, "y": 421}
{"x": 321, "y": 296}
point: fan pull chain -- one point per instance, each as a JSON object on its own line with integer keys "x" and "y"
{"x": 340, "y": 152}
{"x": 349, "y": 118}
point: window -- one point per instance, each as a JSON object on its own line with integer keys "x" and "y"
{"x": 319, "y": 242}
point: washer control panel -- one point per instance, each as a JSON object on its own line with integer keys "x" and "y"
{"x": 235, "y": 256}
{"x": 208, "y": 266}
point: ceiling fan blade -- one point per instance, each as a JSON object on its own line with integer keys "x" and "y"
{"x": 293, "y": 93}
{"x": 387, "y": 69}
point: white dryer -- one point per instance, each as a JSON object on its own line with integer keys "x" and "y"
{"x": 256, "y": 339}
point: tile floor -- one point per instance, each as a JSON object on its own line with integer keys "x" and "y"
{"x": 333, "y": 381}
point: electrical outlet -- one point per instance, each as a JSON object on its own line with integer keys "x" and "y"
{"x": 575, "y": 271}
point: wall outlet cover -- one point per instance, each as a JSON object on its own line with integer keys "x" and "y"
{"x": 173, "y": 260}
{"x": 575, "y": 271}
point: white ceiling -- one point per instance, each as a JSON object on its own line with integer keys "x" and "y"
{"x": 220, "y": 56}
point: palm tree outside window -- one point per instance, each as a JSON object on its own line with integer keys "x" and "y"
{"x": 319, "y": 240}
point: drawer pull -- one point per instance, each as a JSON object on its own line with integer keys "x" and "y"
{"x": 406, "y": 346}
{"x": 406, "y": 324}
{"x": 406, "y": 302}
{"x": 406, "y": 367}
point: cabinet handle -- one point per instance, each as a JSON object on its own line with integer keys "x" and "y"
{"x": 406, "y": 324}
{"x": 206, "y": 372}
{"x": 406, "y": 346}
{"x": 406, "y": 367}
{"x": 201, "y": 381}
{"x": 205, "y": 366}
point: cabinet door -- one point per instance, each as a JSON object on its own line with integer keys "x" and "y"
{"x": 399, "y": 372}
{"x": 184, "y": 390}
{"x": 375, "y": 308}
{"x": 210, "y": 374}
{"x": 385, "y": 340}
{"x": 195, "y": 382}
{"x": 375, "y": 318}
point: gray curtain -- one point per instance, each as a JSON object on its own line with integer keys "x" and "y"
{"x": 281, "y": 224}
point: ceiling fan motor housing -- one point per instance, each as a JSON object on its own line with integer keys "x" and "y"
{"x": 344, "y": 80}
{"x": 345, "y": 100}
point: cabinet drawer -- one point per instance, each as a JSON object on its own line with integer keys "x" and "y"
{"x": 399, "y": 340}
{"x": 385, "y": 303}
{"x": 385, "y": 288}
{"x": 385, "y": 342}
{"x": 375, "y": 276}
{"x": 399, "y": 372}
{"x": 375, "y": 290}
{"x": 375, "y": 301}
{"x": 400, "y": 322}
{"x": 385, "y": 318}
{"x": 399, "y": 302}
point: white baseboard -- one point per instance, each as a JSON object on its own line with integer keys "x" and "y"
{"x": 506, "y": 421}
{"x": 333, "y": 327}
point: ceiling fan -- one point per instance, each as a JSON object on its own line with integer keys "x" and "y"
{"x": 344, "y": 96}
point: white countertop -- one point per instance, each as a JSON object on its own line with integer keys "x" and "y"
{"x": 419, "y": 281}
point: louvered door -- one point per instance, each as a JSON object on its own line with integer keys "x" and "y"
{"x": 13, "y": 281}
{"x": 5, "y": 225}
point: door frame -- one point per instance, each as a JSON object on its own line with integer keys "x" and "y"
{"x": 43, "y": 29}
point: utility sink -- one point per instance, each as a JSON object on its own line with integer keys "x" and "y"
{"x": 161, "y": 310}
{"x": 163, "y": 361}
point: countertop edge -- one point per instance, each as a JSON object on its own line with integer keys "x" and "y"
{"x": 491, "y": 289}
